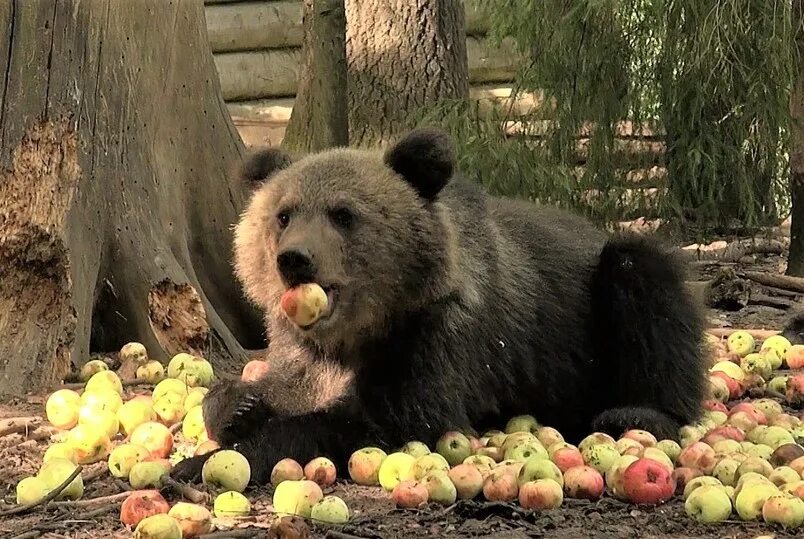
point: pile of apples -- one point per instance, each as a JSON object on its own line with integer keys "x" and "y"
{"x": 746, "y": 458}
{"x": 742, "y": 458}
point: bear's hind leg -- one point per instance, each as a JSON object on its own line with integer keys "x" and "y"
{"x": 649, "y": 336}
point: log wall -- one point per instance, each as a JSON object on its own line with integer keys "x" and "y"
{"x": 256, "y": 47}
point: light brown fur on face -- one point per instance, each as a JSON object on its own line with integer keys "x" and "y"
{"x": 393, "y": 229}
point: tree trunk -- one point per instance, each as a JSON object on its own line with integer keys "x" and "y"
{"x": 402, "y": 55}
{"x": 319, "y": 119}
{"x": 115, "y": 203}
{"x": 795, "y": 261}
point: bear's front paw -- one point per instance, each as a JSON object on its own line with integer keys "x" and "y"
{"x": 232, "y": 410}
{"x": 189, "y": 469}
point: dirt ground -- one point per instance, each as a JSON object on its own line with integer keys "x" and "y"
{"x": 373, "y": 512}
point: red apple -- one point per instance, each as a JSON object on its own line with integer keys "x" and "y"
{"x": 141, "y": 504}
{"x": 751, "y": 410}
{"x": 715, "y": 406}
{"x": 723, "y": 432}
{"x": 286, "y": 469}
{"x": 155, "y": 437}
{"x": 583, "y": 482}
{"x": 500, "y": 485}
{"x": 540, "y": 494}
{"x": 467, "y": 479}
{"x": 735, "y": 387}
{"x": 409, "y": 494}
{"x": 647, "y": 482}
{"x": 697, "y": 455}
{"x": 254, "y": 370}
{"x": 566, "y": 458}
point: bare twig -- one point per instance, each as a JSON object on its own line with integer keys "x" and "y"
{"x": 734, "y": 251}
{"x": 246, "y": 533}
{"x": 52, "y": 494}
{"x": 70, "y": 504}
{"x": 81, "y": 385}
{"x": 94, "y": 474}
{"x": 63, "y": 523}
{"x": 334, "y": 534}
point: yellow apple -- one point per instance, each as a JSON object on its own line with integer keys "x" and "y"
{"x": 62, "y": 407}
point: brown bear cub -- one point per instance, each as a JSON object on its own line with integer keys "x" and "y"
{"x": 449, "y": 309}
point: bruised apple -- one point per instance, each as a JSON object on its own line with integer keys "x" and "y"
{"x": 541, "y": 494}
{"x": 583, "y": 482}
{"x": 320, "y": 470}
{"x": 304, "y": 304}
{"x": 142, "y": 504}
{"x": 193, "y": 519}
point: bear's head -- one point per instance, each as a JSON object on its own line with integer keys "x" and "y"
{"x": 366, "y": 226}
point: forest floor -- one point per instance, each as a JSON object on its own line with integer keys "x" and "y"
{"x": 374, "y": 514}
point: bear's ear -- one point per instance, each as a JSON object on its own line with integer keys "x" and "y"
{"x": 425, "y": 158}
{"x": 262, "y": 164}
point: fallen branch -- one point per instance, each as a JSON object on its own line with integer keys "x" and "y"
{"x": 759, "y": 334}
{"x": 784, "y": 282}
{"x": 734, "y": 251}
{"x": 17, "y": 425}
{"x": 52, "y": 494}
{"x": 94, "y": 474}
{"x": 246, "y": 533}
{"x": 771, "y": 301}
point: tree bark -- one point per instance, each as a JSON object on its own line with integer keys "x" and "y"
{"x": 795, "y": 261}
{"x": 115, "y": 207}
{"x": 319, "y": 119}
{"x": 402, "y": 55}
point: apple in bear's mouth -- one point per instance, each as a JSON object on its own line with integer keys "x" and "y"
{"x": 308, "y": 303}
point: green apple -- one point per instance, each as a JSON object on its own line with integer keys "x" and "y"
{"x": 104, "y": 379}
{"x": 61, "y": 450}
{"x": 708, "y": 504}
{"x": 55, "y": 472}
{"x": 297, "y": 497}
{"x": 133, "y": 414}
{"x": 600, "y": 456}
{"x": 783, "y": 475}
{"x": 92, "y": 367}
{"x": 227, "y": 469}
{"x": 159, "y": 526}
{"x": 732, "y": 370}
{"x": 775, "y": 436}
{"x": 395, "y": 467}
{"x": 195, "y": 396}
{"x": 428, "y": 463}
{"x": 193, "y": 426}
{"x": 741, "y": 343}
{"x": 526, "y": 450}
{"x": 779, "y": 383}
{"x": 148, "y": 474}
{"x": 170, "y": 385}
{"x": 726, "y": 471}
{"x": 62, "y": 408}
{"x": 152, "y": 372}
{"x": 698, "y": 482}
{"x": 756, "y": 364}
{"x": 231, "y": 504}
{"x": 539, "y": 468}
{"x": 416, "y": 449}
{"x": 670, "y": 448}
{"x": 777, "y": 343}
{"x": 752, "y": 497}
{"x": 596, "y": 438}
{"x": 330, "y": 510}
{"x": 454, "y": 447}
{"x": 440, "y": 488}
{"x": 769, "y": 407}
{"x": 124, "y": 457}
{"x": 522, "y": 423}
{"x": 30, "y": 490}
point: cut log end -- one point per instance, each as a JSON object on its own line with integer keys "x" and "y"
{"x": 178, "y": 318}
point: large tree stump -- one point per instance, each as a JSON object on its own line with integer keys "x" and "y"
{"x": 116, "y": 152}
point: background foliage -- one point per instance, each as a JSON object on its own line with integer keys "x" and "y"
{"x": 710, "y": 80}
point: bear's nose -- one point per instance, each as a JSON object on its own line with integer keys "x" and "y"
{"x": 296, "y": 266}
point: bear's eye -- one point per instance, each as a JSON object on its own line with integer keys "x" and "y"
{"x": 342, "y": 217}
{"x": 283, "y": 218}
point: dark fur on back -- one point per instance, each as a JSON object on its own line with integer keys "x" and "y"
{"x": 498, "y": 308}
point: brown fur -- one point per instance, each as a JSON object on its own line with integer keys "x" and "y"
{"x": 453, "y": 310}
